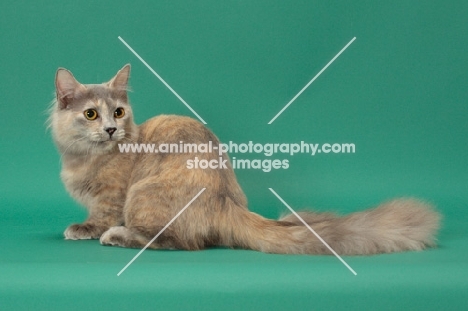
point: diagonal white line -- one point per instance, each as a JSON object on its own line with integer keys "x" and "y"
{"x": 312, "y": 230}
{"x": 161, "y": 79}
{"x": 159, "y": 233}
{"x": 313, "y": 79}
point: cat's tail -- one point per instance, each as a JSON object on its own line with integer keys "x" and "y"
{"x": 395, "y": 226}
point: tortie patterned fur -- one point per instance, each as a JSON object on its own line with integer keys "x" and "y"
{"x": 132, "y": 196}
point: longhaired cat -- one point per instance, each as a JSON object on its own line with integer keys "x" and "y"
{"x": 130, "y": 197}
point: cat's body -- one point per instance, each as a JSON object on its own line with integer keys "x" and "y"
{"x": 132, "y": 196}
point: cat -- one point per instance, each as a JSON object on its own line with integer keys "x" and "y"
{"x": 130, "y": 197}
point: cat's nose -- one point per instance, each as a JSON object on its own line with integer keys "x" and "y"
{"x": 110, "y": 130}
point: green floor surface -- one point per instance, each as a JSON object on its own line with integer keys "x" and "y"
{"x": 41, "y": 271}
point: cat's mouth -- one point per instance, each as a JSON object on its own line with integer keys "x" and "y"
{"x": 109, "y": 140}
{"x": 104, "y": 140}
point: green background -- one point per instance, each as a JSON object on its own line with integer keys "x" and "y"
{"x": 399, "y": 93}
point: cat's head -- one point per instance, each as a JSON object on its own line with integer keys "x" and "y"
{"x": 91, "y": 118}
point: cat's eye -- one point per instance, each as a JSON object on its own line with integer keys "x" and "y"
{"x": 119, "y": 112}
{"x": 91, "y": 114}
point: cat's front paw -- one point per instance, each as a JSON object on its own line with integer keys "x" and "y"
{"x": 123, "y": 237}
{"x": 84, "y": 232}
{"x": 115, "y": 236}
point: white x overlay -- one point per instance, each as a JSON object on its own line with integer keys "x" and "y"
{"x": 271, "y": 121}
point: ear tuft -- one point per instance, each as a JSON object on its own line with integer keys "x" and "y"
{"x": 67, "y": 87}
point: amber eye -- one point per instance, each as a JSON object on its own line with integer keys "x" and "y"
{"x": 91, "y": 114}
{"x": 119, "y": 112}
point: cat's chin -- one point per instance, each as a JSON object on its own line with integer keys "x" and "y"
{"x": 105, "y": 146}
{"x": 92, "y": 148}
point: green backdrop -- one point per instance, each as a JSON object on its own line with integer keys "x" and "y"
{"x": 399, "y": 93}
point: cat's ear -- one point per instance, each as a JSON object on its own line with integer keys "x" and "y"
{"x": 67, "y": 88}
{"x": 120, "y": 81}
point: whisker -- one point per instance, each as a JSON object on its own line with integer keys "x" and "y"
{"x": 90, "y": 147}
{"x": 87, "y": 150}
{"x": 76, "y": 140}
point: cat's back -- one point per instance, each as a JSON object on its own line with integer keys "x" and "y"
{"x": 174, "y": 129}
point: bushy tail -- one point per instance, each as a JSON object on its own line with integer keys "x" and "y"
{"x": 395, "y": 226}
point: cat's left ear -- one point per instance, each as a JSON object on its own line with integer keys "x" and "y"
{"x": 120, "y": 81}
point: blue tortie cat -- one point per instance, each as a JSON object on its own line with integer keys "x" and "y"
{"x": 130, "y": 197}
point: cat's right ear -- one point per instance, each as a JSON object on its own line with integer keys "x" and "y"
{"x": 67, "y": 88}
